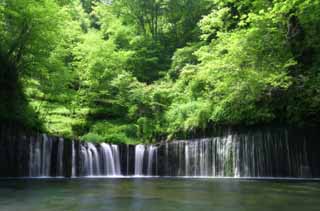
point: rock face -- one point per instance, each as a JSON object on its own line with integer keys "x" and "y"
{"x": 259, "y": 152}
{"x": 14, "y": 157}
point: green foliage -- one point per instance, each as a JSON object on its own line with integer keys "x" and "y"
{"x": 182, "y": 57}
{"x": 92, "y": 137}
{"x": 112, "y": 132}
{"x": 30, "y": 34}
{"x": 130, "y": 71}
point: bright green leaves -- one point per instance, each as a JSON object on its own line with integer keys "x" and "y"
{"x": 98, "y": 59}
{"x": 236, "y": 75}
{"x": 31, "y": 32}
{"x": 217, "y": 20}
{"x": 30, "y": 27}
{"x": 143, "y": 70}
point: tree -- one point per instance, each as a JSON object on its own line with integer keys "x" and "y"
{"x": 29, "y": 33}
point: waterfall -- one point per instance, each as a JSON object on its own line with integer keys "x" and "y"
{"x": 108, "y": 160}
{"x": 116, "y": 155}
{"x": 186, "y": 149}
{"x": 46, "y": 156}
{"x": 85, "y": 161}
{"x": 145, "y": 160}
{"x": 94, "y": 160}
{"x": 35, "y": 158}
{"x": 152, "y": 150}
{"x": 139, "y": 155}
{"x": 40, "y": 152}
{"x": 243, "y": 155}
{"x": 204, "y": 157}
{"x": 102, "y": 160}
{"x": 90, "y": 160}
{"x": 247, "y": 154}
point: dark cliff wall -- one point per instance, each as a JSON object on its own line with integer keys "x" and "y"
{"x": 14, "y": 152}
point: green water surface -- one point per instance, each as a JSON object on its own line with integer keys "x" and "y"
{"x": 156, "y": 194}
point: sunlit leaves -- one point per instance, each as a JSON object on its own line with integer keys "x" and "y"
{"x": 135, "y": 69}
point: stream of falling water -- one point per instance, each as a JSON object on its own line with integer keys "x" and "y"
{"x": 254, "y": 155}
{"x": 139, "y": 155}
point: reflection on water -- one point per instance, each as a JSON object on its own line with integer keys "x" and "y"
{"x": 158, "y": 194}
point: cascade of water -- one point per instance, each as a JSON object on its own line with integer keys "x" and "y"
{"x": 107, "y": 160}
{"x": 225, "y": 153}
{"x": 151, "y": 155}
{"x": 187, "y": 164}
{"x": 40, "y": 150}
{"x": 235, "y": 155}
{"x": 236, "y": 160}
{"x": 90, "y": 162}
{"x": 46, "y": 155}
{"x": 193, "y": 155}
{"x": 116, "y": 157}
{"x": 246, "y": 155}
{"x": 85, "y": 161}
{"x": 35, "y": 158}
{"x": 94, "y": 160}
{"x": 102, "y": 161}
{"x": 204, "y": 157}
{"x": 139, "y": 155}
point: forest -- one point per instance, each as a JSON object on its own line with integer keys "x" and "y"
{"x": 140, "y": 71}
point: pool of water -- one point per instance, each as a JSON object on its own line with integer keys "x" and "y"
{"x": 158, "y": 194}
